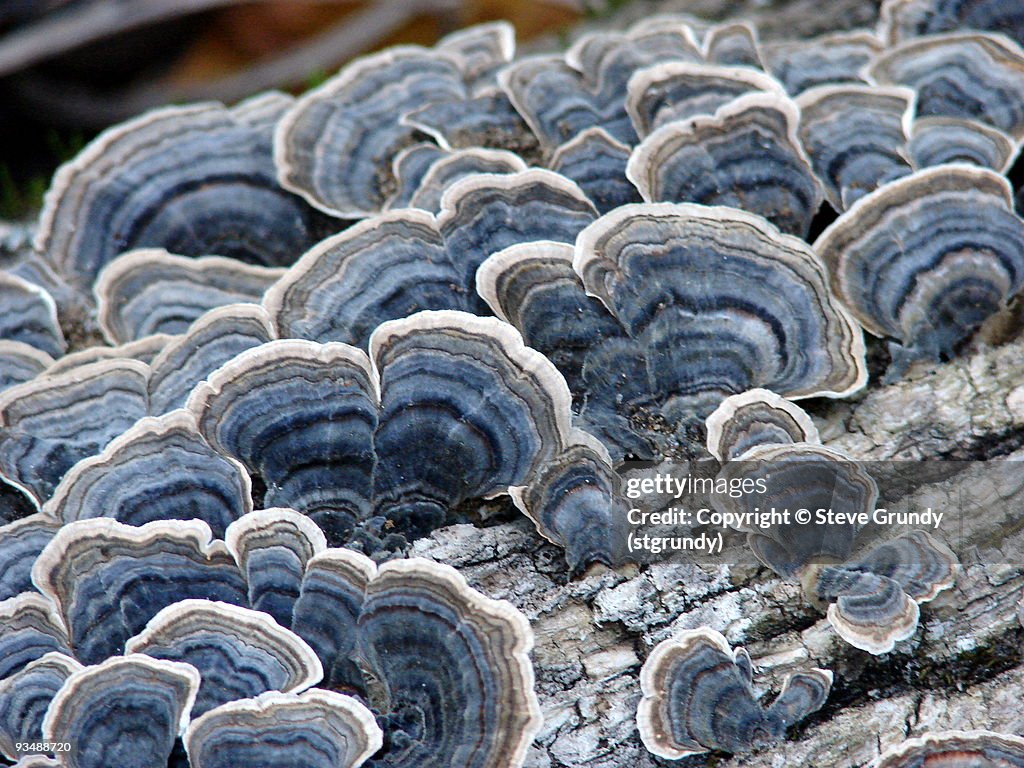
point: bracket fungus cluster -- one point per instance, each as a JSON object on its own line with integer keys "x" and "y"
{"x": 250, "y": 336}
{"x": 698, "y": 696}
{"x": 224, "y": 654}
{"x": 871, "y": 597}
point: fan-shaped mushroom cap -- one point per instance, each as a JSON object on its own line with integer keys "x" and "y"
{"x": 20, "y": 544}
{"x": 150, "y": 291}
{"x": 445, "y": 171}
{"x": 970, "y": 75}
{"x": 238, "y": 652}
{"x": 680, "y": 90}
{"x": 856, "y": 137}
{"x": 561, "y": 97}
{"x": 705, "y": 336}
{"x": 30, "y": 628}
{"x": 838, "y": 57}
{"x": 927, "y": 258}
{"x": 533, "y": 287}
{"x": 481, "y": 50}
{"x": 160, "y": 469}
{"x": 301, "y": 416}
{"x": 944, "y": 140}
{"x": 24, "y": 697}
{"x": 20, "y": 362}
{"x": 801, "y": 475}
{"x": 467, "y": 411}
{"x": 210, "y": 341}
{"x": 196, "y": 180}
{"x": 902, "y": 19}
{"x": 729, "y": 158}
{"x": 385, "y": 267}
{"x": 868, "y": 611}
{"x": 51, "y": 422}
{"x": 99, "y": 573}
{"x": 576, "y": 502}
{"x": 315, "y": 729}
{"x": 272, "y": 547}
{"x": 29, "y": 316}
{"x": 409, "y": 167}
{"x": 754, "y": 418}
{"x": 355, "y": 116}
{"x": 733, "y": 45}
{"x": 327, "y": 611}
{"x": 486, "y": 213}
{"x": 597, "y": 162}
{"x": 697, "y": 696}
{"x": 956, "y": 749}
{"x": 479, "y": 672}
{"x": 125, "y": 711}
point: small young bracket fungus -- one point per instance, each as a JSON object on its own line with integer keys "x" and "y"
{"x": 576, "y": 502}
{"x": 100, "y": 573}
{"x": 874, "y": 600}
{"x": 355, "y": 116}
{"x": 20, "y": 362}
{"x": 30, "y": 628}
{"x": 697, "y": 697}
{"x": 160, "y": 469}
{"x": 388, "y": 266}
{"x": 956, "y": 749}
{"x": 150, "y": 291}
{"x": 24, "y": 698}
{"x": 196, "y": 180}
{"x": 210, "y": 341}
{"x": 839, "y": 57}
{"x": 946, "y": 140}
{"x": 314, "y": 729}
{"x": 970, "y": 75}
{"x": 20, "y": 545}
{"x": 680, "y": 90}
{"x": 729, "y": 158}
{"x": 561, "y": 97}
{"x": 482, "y": 49}
{"x": 597, "y": 163}
{"x": 479, "y": 672}
{"x": 720, "y": 302}
{"x": 301, "y": 416}
{"x": 856, "y": 137}
{"x": 51, "y": 422}
{"x": 272, "y": 547}
{"x": 238, "y": 652}
{"x": 733, "y": 45}
{"x": 755, "y": 418}
{"x": 926, "y": 259}
{"x": 29, "y": 316}
{"x": 125, "y": 711}
{"x": 903, "y": 19}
